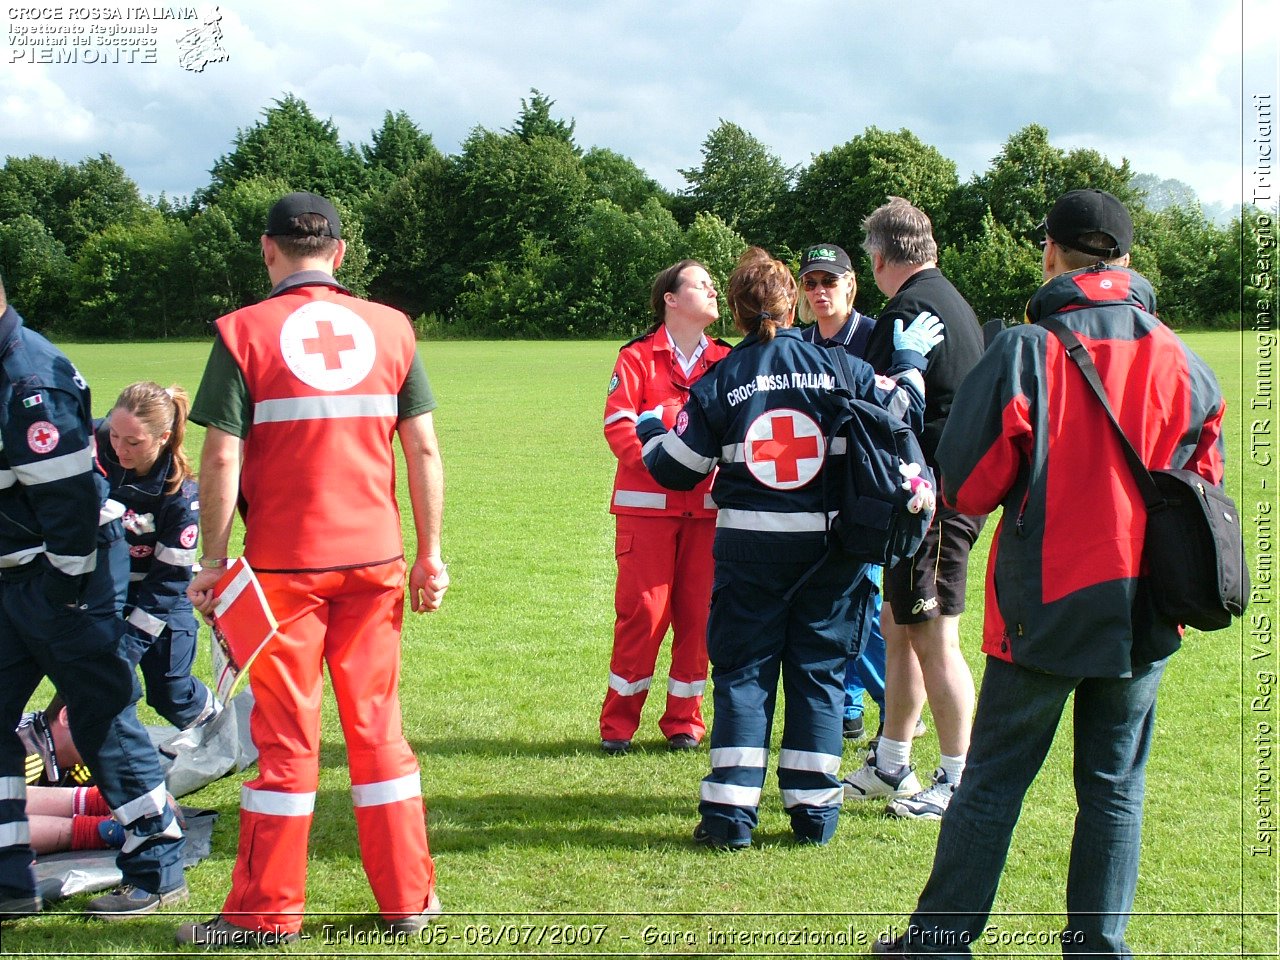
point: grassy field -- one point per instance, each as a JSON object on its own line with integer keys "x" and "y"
{"x": 545, "y": 847}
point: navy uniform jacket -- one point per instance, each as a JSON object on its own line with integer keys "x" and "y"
{"x": 162, "y": 531}
{"x": 763, "y": 414}
{"x": 51, "y": 490}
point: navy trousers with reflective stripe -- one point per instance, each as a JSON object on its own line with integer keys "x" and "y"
{"x": 81, "y": 652}
{"x": 755, "y": 636}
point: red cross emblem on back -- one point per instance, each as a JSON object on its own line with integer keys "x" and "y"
{"x": 327, "y": 344}
{"x": 784, "y": 449}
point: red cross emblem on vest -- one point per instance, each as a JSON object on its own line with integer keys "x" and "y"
{"x": 784, "y": 449}
{"x": 328, "y": 345}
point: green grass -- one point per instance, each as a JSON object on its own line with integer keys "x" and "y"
{"x": 531, "y": 825}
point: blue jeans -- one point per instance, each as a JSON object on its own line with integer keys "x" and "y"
{"x": 865, "y": 672}
{"x": 1017, "y": 715}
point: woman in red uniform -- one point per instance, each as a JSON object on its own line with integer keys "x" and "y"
{"x": 663, "y": 537}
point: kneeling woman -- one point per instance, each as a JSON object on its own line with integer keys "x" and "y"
{"x": 762, "y": 414}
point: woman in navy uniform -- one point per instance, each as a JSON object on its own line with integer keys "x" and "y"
{"x": 762, "y": 415}
{"x": 140, "y": 447}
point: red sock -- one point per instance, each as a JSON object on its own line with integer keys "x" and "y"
{"x": 85, "y": 834}
{"x": 88, "y": 801}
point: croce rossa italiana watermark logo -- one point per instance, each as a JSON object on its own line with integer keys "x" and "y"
{"x": 72, "y": 35}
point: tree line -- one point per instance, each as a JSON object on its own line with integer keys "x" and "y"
{"x": 524, "y": 234}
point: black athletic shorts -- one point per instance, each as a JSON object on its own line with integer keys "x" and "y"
{"x": 932, "y": 583}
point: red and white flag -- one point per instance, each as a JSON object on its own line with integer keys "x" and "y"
{"x": 242, "y": 625}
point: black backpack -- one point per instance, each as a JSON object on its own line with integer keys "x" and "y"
{"x": 872, "y": 522}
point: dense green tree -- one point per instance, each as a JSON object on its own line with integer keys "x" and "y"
{"x": 742, "y": 182}
{"x": 395, "y": 148}
{"x": 535, "y": 120}
{"x": 617, "y": 179}
{"x": 35, "y": 268}
{"x": 1190, "y": 261}
{"x": 995, "y": 271}
{"x": 73, "y": 201}
{"x": 292, "y": 145}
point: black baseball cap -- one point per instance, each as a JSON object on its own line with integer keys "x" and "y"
{"x": 826, "y": 257}
{"x": 1081, "y": 212}
{"x": 281, "y": 219}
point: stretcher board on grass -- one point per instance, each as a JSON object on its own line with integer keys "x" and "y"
{"x": 242, "y": 625}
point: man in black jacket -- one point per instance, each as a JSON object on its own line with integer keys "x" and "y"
{"x": 925, "y": 595}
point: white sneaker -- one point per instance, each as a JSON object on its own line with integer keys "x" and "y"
{"x": 928, "y": 804}
{"x": 869, "y": 782}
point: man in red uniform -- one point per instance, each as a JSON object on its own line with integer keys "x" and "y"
{"x": 301, "y": 398}
{"x": 664, "y": 536}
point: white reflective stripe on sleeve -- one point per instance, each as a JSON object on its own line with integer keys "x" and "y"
{"x": 148, "y": 805}
{"x": 55, "y": 468}
{"x": 7, "y": 479}
{"x": 772, "y": 522}
{"x": 636, "y": 498}
{"x": 145, "y": 622}
{"x": 685, "y": 455}
{"x": 708, "y": 501}
{"x": 650, "y": 444}
{"x": 740, "y": 757}
{"x": 387, "y": 791}
{"x": 13, "y": 788}
{"x": 826, "y": 797}
{"x": 730, "y": 793}
{"x": 679, "y": 688}
{"x": 174, "y": 556}
{"x": 111, "y": 510}
{"x": 132, "y": 840}
{"x": 809, "y": 760}
{"x": 15, "y": 834}
{"x": 624, "y": 689}
{"x": 620, "y": 415}
{"x": 277, "y": 804}
{"x": 19, "y": 557}
{"x": 74, "y": 566}
{"x": 289, "y": 409}
{"x": 731, "y": 453}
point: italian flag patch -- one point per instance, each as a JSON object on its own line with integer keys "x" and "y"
{"x": 33, "y": 401}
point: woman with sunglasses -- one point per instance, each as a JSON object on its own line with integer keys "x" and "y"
{"x": 829, "y": 285}
{"x": 761, "y": 416}
{"x": 663, "y": 544}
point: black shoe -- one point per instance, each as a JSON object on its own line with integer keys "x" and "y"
{"x": 681, "y": 741}
{"x": 740, "y": 839}
{"x": 853, "y": 728}
{"x": 128, "y": 901}
{"x": 413, "y": 925}
{"x": 890, "y": 948}
{"x": 216, "y": 933}
{"x": 15, "y": 908}
{"x": 615, "y": 748}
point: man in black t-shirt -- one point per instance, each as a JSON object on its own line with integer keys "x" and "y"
{"x": 924, "y": 595}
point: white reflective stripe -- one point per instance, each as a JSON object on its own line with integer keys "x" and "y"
{"x": 74, "y": 566}
{"x": 772, "y": 522}
{"x": 15, "y": 834}
{"x": 277, "y": 804}
{"x": 7, "y": 479}
{"x": 679, "y": 688}
{"x": 19, "y": 557}
{"x": 134, "y": 577}
{"x": 146, "y": 622}
{"x": 133, "y": 840}
{"x": 733, "y": 452}
{"x": 685, "y": 455}
{"x": 625, "y": 689}
{"x": 387, "y": 791}
{"x": 55, "y": 468}
{"x": 174, "y": 556}
{"x": 13, "y": 788}
{"x": 740, "y": 757}
{"x": 650, "y": 444}
{"x": 150, "y": 804}
{"x": 233, "y": 590}
{"x": 809, "y": 760}
{"x": 326, "y": 408}
{"x": 708, "y": 501}
{"x": 111, "y": 510}
{"x": 636, "y": 498}
{"x": 620, "y": 415}
{"x": 730, "y": 793}
{"x": 826, "y": 797}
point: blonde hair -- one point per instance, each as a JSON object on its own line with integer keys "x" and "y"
{"x": 762, "y": 293}
{"x": 160, "y": 409}
{"x": 806, "y": 308}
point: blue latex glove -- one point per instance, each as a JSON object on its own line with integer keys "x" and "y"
{"x": 654, "y": 414}
{"x": 925, "y": 333}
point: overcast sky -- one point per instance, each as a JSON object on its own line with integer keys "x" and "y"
{"x": 1169, "y": 84}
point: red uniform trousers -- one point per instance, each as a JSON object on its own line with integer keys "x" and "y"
{"x": 664, "y": 579}
{"x": 351, "y": 620}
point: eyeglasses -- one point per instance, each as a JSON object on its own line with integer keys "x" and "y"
{"x": 828, "y": 281}
{"x": 1045, "y": 242}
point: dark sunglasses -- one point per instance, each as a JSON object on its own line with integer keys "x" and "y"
{"x": 811, "y": 283}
